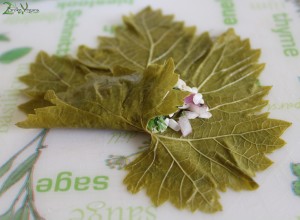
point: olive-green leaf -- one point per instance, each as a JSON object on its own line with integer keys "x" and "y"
{"x": 129, "y": 80}
{"x": 227, "y": 77}
{"x": 58, "y": 73}
{"x": 219, "y": 71}
{"x": 146, "y": 38}
{"x": 14, "y": 54}
{"x": 34, "y": 103}
{"x": 5, "y": 167}
{"x": 218, "y": 154}
{"x": 107, "y": 101}
{"x": 18, "y": 173}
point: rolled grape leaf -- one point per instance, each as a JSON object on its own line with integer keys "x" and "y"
{"x": 219, "y": 71}
{"x": 58, "y": 73}
{"x": 50, "y": 73}
{"x": 130, "y": 78}
{"x": 107, "y": 101}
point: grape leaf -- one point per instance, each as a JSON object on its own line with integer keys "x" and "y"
{"x": 146, "y": 38}
{"x": 127, "y": 81}
{"x": 229, "y": 68}
{"x": 106, "y": 101}
{"x": 59, "y": 73}
{"x": 221, "y": 152}
{"x": 50, "y": 73}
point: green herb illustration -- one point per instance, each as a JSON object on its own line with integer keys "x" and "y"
{"x": 120, "y": 161}
{"x": 3, "y": 37}
{"x": 14, "y": 54}
{"x": 157, "y": 70}
{"x": 24, "y": 200}
{"x": 296, "y": 184}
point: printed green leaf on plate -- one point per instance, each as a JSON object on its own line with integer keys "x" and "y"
{"x": 3, "y": 37}
{"x": 14, "y": 54}
{"x": 18, "y": 173}
{"x": 296, "y": 187}
{"x": 129, "y": 80}
{"x": 296, "y": 169}
{"x": 23, "y": 212}
{"x": 5, "y": 167}
{"x": 8, "y": 215}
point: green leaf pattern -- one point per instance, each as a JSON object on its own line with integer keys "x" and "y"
{"x": 14, "y": 54}
{"x": 27, "y": 210}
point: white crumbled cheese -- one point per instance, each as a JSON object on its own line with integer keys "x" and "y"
{"x": 193, "y": 107}
{"x": 194, "y": 90}
{"x": 198, "y": 99}
{"x": 167, "y": 121}
{"x": 180, "y": 84}
{"x": 185, "y": 126}
{"x": 174, "y": 125}
{"x": 191, "y": 115}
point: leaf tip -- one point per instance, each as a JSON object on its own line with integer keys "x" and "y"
{"x": 21, "y": 124}
{"x": 170, "y": 62}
